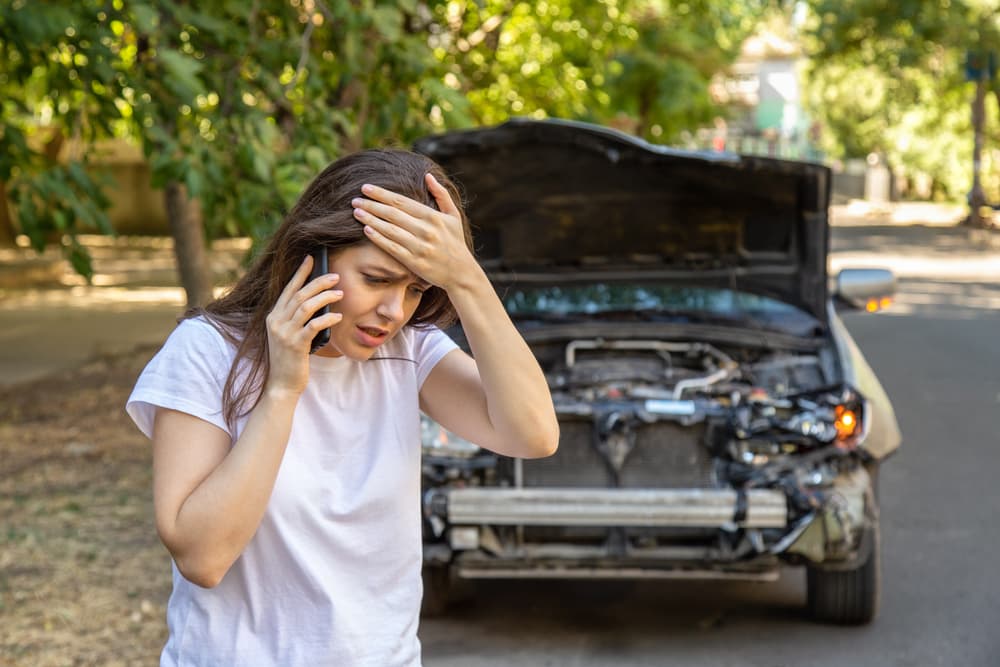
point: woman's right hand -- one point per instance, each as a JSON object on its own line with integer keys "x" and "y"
{"x": 290, "y": 330}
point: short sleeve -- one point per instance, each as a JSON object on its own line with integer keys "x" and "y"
{"x": 430, "y": 346}
{"x": 187, "y": 374}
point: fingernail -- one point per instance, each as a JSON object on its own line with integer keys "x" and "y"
{"x": 358, "y": 212}
{"x": 369, "y": 231}
{"x": 366, "y": 187}
{"x": 356, "y": 202}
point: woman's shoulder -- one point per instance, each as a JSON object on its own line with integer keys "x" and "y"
{"x": 200, "y": 334}
{"x": 411, "y": 338}
{"x": 199, "y": 327}
{"x": 188, "y": 373}
{"x": 424, "y": 345}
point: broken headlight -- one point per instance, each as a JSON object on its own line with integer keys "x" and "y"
{"x": 763, "y": 428}
{"x": 435, "y": 440}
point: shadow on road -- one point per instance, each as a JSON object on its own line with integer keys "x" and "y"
{"x": 959, "y": 300}
{"x": 935, "y": 241}
{"x": 645, "y": 606}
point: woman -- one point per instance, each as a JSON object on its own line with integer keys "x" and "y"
{"x": 286, "y": 485}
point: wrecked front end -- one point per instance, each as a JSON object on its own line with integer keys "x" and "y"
{"x": 677, "y": 459}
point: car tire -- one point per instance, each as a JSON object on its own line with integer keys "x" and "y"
{"x": 442, "y": 590}
{"x": 848, "y": 597}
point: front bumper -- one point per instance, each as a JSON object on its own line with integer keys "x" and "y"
{"x": 502, "y": 532}
{"x": 702, "y": 508}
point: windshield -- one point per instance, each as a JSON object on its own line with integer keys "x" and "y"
{"x": 656, "y": 302}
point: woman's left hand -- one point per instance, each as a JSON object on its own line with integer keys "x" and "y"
{"x": 430, "y": 243}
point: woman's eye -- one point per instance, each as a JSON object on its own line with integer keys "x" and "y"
{"x": 418, "y": 290}
{"x": 375, "y": 280}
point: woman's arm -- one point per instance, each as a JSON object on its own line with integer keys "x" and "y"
{"x": 209, "y": 498}
{"x": 499, "y": 400}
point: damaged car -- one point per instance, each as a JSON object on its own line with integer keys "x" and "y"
{"x": 717, "y": 420}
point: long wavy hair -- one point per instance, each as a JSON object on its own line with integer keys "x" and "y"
{"x": 322, "y": 217}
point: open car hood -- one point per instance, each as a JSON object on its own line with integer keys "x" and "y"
{"x": 559, "y": 201}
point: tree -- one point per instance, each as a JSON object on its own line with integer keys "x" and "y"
{"x": 891, "y": 78}
{"x": 57, "y": 86}
{"x": 649, "y": 61}
{"x": 679, "y": 45}
{"x": 236, "y": 105}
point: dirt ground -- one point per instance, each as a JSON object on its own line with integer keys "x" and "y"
{"x": 83, "y": 577}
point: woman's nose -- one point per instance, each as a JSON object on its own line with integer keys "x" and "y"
{"x": 391, "y": 306}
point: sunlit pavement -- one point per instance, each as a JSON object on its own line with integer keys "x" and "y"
{"x": 43, "y": 333}
{"x": 940, "y": 266}
{"x": 56, "y": 321}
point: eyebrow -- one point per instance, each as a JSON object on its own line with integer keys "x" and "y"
{"x": 392, "y": 275}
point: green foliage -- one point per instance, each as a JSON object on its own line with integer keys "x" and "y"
{"x": 663, "y": 80}
{"x": 649, "y": 61}
{"x": 893, "y": 81}
{"x": 243, "y": 101}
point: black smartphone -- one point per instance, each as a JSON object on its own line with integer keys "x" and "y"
{"x": 320, "y": 268}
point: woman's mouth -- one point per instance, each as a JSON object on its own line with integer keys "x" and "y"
{"x": 370, "y": 336}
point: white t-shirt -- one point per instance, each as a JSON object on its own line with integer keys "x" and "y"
{"x": 332, "y": 575}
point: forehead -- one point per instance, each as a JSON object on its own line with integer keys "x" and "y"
{"x": 368, "y": 254}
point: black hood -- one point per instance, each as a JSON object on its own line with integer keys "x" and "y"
{"x": 558, "y": 200}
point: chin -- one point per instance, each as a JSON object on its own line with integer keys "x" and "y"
{"x": 360, "y": 355}
{"x": 353, "y": 352}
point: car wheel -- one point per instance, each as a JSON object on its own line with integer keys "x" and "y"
{"x": 442, "y": 590}
{"x": 848, "y": 597}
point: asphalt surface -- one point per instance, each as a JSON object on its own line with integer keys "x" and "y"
{"x": 937, "y": 351}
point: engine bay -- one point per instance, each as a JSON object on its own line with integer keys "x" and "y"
{"x": 646, "y": 414}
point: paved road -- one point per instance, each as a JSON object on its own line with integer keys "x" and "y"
{"x": 45, "y": 331}
{"x": 134, "y": 301}
{"x": 938, "y": 356}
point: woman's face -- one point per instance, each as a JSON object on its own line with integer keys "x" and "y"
{"x": 380, "y": 296}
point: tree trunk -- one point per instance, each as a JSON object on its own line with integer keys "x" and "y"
{"x": 184, "y": 216}
{"x": 8, "y": 234}
{"x": 977, "y": 198}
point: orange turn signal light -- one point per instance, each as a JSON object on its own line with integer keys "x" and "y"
{"x": 875, "y": 305}
{"x": 846, "y": 422}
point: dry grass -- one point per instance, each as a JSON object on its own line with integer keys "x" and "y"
{"x": 83, "y": 577}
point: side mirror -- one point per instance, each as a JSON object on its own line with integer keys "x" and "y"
{"x": 868, "y": 289}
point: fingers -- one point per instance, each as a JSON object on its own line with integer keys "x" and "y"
{"x": 311, "y": 306}
{"x": 428, "y": 241}
{"x": 391, "y": 229}
{"x": 381, "y": 237}
{"x": 316, "y": 325}
{"x": 315, "y": 294}
{"x": 441, "y": 196}
{"x": 394, "y": 200}
{"x": 298, "y": 303}
{"x": 402, "y": 210}
{"x": 295, "y": 335}
{"x": 394, "y": 223}
{"x": 296, "y": 283}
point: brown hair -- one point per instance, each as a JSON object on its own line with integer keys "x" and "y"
{"x": 322, "y": 217}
